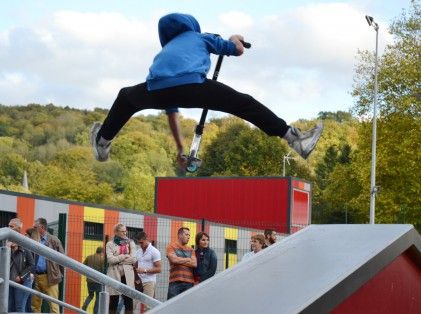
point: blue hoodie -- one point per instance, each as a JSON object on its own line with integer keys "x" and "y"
{"x": 185, "y": 54}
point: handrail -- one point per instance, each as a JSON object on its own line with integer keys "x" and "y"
{"x": 46, "y": 297}
{"x": 64, "y": 260}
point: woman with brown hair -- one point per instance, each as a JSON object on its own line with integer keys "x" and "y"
{"x": 206, "y": 258}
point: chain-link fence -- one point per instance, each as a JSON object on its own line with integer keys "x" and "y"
{"x": 85, "y": 234}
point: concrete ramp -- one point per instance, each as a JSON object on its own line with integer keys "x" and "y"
{"x": 313, "y": 271}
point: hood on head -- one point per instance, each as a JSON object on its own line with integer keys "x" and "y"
{"x": 172, "y": 25}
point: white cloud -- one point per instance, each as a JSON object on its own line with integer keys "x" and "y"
{"x": 104, "y": 29}
{"x": 302, "y": 60}
{"x": 74, "y": 57}
{"x": 236, "y": 20}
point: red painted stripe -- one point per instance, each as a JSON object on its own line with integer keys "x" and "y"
{"x": 111, "y": 218}
{"x": 26, "y": 211}
{"x": 175, "y": 225}
{"x": 150, "y": 226}
{"x": 74, "y": 250}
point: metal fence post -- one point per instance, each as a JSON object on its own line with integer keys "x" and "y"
{"x": 4, "y": 274}
{"x": 104, "y": 302}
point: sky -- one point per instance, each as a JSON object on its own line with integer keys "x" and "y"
{"x": 80, "y": 53}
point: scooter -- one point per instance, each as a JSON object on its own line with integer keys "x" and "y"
{"x": 193, "y": 161}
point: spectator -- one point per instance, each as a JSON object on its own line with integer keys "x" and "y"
{"x": 48, "y": 274}
{"x": 31, "y": 233}
{"x": 21, "y": 271}
{"x": 148, "y": 263}
{"x": 206, "y": 258}
{"x": 257, "y": 241}
{"x": 270, "y": 237}
{"x": 121, "y": 256}
{"x": 95, "y": 261}
{"x": 182, "y": 262}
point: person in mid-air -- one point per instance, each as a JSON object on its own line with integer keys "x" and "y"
{"x": 177, "y": 78}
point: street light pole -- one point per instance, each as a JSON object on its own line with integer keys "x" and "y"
{"x": 373, "y": 187}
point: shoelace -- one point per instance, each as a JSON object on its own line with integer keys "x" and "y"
{"x": 105, "y": 145}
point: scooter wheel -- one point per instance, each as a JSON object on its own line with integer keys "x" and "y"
{"x": 191, "y": 168}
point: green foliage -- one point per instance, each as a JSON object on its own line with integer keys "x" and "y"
{"x": 70, "y": 183}
{"x": 52, "y": 145}
{"x": 241, "y": 150}
{"x": 139, "y": 191}
{"x": 12, "y": 167}
{"x": 339, "y": 116}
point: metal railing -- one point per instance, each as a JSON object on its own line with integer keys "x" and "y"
{"x": 27, "y": 243}
{"x": 46, "y": 297}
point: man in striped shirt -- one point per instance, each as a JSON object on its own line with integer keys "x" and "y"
{"x": 182, "y": 261}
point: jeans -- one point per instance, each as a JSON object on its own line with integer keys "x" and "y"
{"x": 93, "y": 288}
{"x": 175, "y": 288}
{"x": 18, "y": 297}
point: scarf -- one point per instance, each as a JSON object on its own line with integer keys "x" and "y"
{"x": 123, "y": 244}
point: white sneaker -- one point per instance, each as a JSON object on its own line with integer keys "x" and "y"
{"x": 304, "y": 143}
{"x": 102, "y": 147}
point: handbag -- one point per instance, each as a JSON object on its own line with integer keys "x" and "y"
{"x": 138, "y": 285}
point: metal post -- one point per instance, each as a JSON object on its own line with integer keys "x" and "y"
{"x": 203, "y": 225}
{"x": 346, "y": 214}
{"x": 104, "y": 302}
{"x": 283, "y": 167}
{"x": 4, "y": 274}
{"x": 373, "y": 188}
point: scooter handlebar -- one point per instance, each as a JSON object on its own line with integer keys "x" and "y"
{"x": 246, "y": 44}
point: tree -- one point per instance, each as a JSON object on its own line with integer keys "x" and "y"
{"x": 399, "y": 123}
{"x": 241, "y": 150}
{"x": 339, "y": 116}
{"x": 331, "y": 200}
{"x": 12, "y": 167}
{"x": 139, "y": 191}
{"x": 69, "y": 183}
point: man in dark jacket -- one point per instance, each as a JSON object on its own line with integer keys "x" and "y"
{"x": 95, "y": 261}
{"x": 21, "y": 271}
{"x": 48, "y": 274}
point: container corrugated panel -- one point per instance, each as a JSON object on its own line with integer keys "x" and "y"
{"x": 249, "y": 202}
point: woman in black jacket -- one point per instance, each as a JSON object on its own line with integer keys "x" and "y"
{"x": 206, "y": 258}
{"x": 21, "y": 271}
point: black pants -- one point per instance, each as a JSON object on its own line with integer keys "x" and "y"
{"x": 94, "y": 289}
{"x": 211, "y": 95}
{"x": 128, "y": 302}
